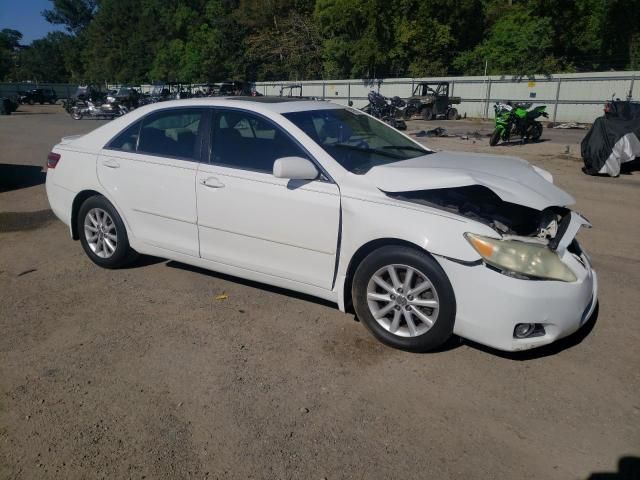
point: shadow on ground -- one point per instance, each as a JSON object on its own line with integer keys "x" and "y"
{"x": 628, "y": 469}
{"x": 250, "y": 283}
{"x": 14, "y": 177}
{"x": 21, "y": 221}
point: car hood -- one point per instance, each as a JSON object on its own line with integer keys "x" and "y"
{"x": 514, "y": 180}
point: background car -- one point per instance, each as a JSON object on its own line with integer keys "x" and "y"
{"x": 38, "y": 95}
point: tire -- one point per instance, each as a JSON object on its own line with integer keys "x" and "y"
{"x": 76, "y": 114}
{"x": 495, "y": 138}
{"x": 427, "y": 113}
{"x": 31, "y": 101}
{"x": 452, "y": 114}
{"x": 535, "y": 132}
{"x": 393, "y": 328}
{"x": 107, "y": 246}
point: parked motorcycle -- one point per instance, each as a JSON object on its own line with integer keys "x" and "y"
{"x": 389, "y": 110}
{"x": 517, "y": 120}
{"x": 94, "y": 110}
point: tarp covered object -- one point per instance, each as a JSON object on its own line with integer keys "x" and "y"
{"x": 611, "y": 142}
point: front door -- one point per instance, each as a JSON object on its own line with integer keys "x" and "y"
{"x": 250, "y": 219}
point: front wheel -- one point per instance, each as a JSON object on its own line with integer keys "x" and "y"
{"x": 495, "y": 138}
{"x": 452, "y": 114}
{"x": 76, "y": 114}
{"x": 404, "y": 298}
{"x": 103, "y": 234}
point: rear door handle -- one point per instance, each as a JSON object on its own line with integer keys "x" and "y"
{"x": 212, "y": 182}
{"x": 108, "y": 162}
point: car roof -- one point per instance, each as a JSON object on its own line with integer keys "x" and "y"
{"x": 272, "y": 104}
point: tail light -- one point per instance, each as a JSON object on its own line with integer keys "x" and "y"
{"x": 53, "y": 159}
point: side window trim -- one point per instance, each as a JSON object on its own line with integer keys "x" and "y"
{"x": 324, "y": 175}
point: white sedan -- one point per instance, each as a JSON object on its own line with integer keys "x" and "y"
{"x": 323, "y": 199}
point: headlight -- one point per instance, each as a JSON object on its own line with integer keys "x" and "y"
{"x": 528, "y": 259}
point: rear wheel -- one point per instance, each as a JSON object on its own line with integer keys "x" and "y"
{"x": 535, "y": 131}
{"x": 76, "y": 114}
{"x": 427, "y": 113}
{"x": 495, "y": 138}
{"x": 103, "y": 235}
{"x": 404, "y": 297}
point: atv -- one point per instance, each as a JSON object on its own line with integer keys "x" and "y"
{"x": 431, "y": 100}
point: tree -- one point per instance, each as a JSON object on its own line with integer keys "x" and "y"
{"x": 9, "y": 49}
{"x": 356, "y": 37}
{"x": 44, "y": 59}
{"x": 518, "y": 43}
{"x": 75, "y": 15}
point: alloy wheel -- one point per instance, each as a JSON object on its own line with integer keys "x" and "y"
{"x": 100, "y": 232}
{"x": 402, "y": 300}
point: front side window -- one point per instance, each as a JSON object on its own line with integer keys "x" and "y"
{"x": 355, "y": 140}
{"x": 173, "y": 133}
{"x": 243, "y": 140}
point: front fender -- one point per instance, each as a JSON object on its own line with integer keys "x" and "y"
{"x": 437, "y": 232}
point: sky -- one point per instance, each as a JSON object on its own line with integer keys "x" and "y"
{"x": 25, "y": 16}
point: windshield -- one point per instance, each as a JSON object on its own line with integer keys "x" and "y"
{"x": 355, "y": 140}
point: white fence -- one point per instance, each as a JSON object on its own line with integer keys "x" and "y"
{"x": 569, "y": 97}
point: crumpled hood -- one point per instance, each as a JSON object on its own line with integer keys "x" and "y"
{"x": 512, "y": 179}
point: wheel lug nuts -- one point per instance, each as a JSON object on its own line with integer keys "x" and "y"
{"x": 408, "y": 307}
{"x": 393, "y": 297}
{"x": 397, "y": 307}
{"x": 410, "y": 297}
{"x": 399, "y": 290}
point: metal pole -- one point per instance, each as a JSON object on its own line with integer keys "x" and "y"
{"x": 323, "y": 89}
{"x": 630, "y": 96}
{"x": 486, "y": 107}
{"x": 555, "y": 108}
{"x": 348, "y": 93}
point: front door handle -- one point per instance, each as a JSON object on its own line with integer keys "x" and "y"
{"x": 212, "y": 182}
{"x": 109, "y": 162}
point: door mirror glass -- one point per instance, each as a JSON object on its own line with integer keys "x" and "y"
{"x": 295, "y": 168}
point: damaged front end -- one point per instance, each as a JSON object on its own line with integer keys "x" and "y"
{"x": 532, "y": 242}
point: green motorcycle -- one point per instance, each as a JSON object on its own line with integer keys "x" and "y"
{"x": 517, "y": 120}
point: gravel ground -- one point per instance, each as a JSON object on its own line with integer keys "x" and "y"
{"x": 143, "y": 373}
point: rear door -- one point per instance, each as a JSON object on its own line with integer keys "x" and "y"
{"x": 149, "y": 171}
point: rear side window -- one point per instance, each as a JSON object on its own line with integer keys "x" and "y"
{"x": 174, "y": 133}
{"x": 246, "y": 141}
{"x": 127, "y": 140}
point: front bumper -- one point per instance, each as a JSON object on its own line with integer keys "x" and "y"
{"x": 490, "y": 304}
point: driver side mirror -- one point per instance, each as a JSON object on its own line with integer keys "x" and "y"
{"x": 295, "y": 168}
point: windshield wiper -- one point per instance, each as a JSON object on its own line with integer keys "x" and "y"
{"x": 409, "y": 147}
{"x": 369, "y": 150}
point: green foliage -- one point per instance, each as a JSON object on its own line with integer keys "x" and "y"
{"x": 44, "y": 59}
{"x": 510, "y": 47}
{"x": 9, "y": 43}
{"x": 130, "y": 41}
{"x": 75, "y": 15}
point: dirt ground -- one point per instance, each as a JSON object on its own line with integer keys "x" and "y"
{"x": 143, "y": 373}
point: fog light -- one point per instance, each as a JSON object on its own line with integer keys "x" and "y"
{"x": 523, "y": 330}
